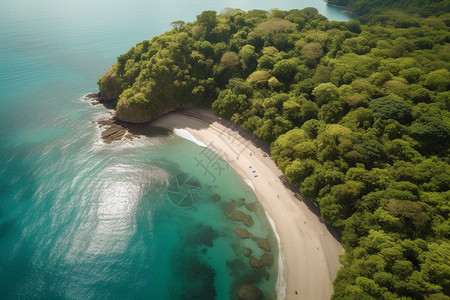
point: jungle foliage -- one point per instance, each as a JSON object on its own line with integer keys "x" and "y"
{"x": 356, "y": 115}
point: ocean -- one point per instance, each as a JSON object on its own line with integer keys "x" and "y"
{"x": 141, "y": 219}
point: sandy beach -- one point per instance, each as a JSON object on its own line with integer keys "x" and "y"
{"x": 309, "y": 250}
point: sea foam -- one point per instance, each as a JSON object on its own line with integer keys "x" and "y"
{"x": 249, "y": 183}
{"x": 183, "y": 133}
{"x": 281, "y": 279}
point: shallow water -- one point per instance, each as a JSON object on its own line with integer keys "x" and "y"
{"x": 80, "y": 219}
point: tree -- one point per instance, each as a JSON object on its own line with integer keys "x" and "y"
{"x": 359, "y": 45}
{"x": 229, "y": 103}
{"x": 177, "y": 24}
{"x": 413, "y": 212}
{"x": 248, "y": 58}
{"x": 432, "y": 128}
{"x": 285, "y": 70}
{"x": 230, "y": 60}
{"x": 255, "y": 40}
{"x": 436, "y": 267}
{"x": 275, "y": 25}
{"x": 259, "y": 78}
{"x": 208, "y": 19}
{"x": 312, "y": 52}
{"x": 438, "y": 80}
{"x": 325, "y": 93}
{"x": 390, "y": 108}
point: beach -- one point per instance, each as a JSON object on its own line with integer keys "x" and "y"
{"x": 309, "y": 252}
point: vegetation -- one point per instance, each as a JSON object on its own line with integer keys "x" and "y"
{"x": 356, "y": 115}
{"x": 370, "y": 8}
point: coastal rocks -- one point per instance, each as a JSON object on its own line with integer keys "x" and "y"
{"x": 266, "y": 259}
{"x": 236, "y": 215}
{"x": 112, "y": 131}
{"x": 228, "y": 207}
{"x": 240, "y": 216}
{"x": 249, "y": 292}
{"x": 94, "y": 98}
{"x": 251, "y": 206}
{"x": 264, "y": 244}
{"x": 109, "y": 86}
{"x": 253, "y": 267}
{"x": 247, "y": 252}
{"x": 244, "y": 233}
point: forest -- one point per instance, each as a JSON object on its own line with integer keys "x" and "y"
{"x": 367, "y": 10}
{"x": 356, "y": 115}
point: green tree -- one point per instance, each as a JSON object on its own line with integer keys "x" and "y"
{"x": 390, "y": 108}
{"x": 229, "y": 103}
{"x": 325, "y": 93}
{"x": 285, "y": 70}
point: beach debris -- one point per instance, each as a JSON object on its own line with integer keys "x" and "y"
{"x": 266, "y": 259}
{"x": 249, "y": 292}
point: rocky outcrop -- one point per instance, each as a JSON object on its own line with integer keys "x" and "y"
{"x": 114, "y": 131}
{"x": 249, "y": 292}
{"x": 265, "y": 260}
{"x": 264, "y": 244}
{"x": 244, "y": 233}
{"x": 247, "y": 251}
{"x": 240, "y": 216}
{"x": 236, "y": 215}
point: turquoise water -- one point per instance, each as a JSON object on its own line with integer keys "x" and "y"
{"x": 80, "y": 219}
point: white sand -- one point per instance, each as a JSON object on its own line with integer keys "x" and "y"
{"x": 310, "y": 251}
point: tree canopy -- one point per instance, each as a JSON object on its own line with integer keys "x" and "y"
{"x": 356, "y": 115}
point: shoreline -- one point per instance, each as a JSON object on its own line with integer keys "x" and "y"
{"x": 307, "y": 249}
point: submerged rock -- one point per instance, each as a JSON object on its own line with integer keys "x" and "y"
{"x": 265, "y": 260}
{"x": 248, "y": 252}
{"x": 228, "y": 207}
{"x": 114, "y": 131}
{"x": 251, "y": 206}
{"x": 264, "y": 244}
{"x": 244, "y": 233}
{"x": 202, "y": 235}
{"x": 232, "y": 213}
{"x": 240, "y": 216}
{"x": 249, "y": 292}
{"x": 216, "y": 197}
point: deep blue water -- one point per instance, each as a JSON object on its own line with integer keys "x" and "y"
{"x": 80, "y": 219}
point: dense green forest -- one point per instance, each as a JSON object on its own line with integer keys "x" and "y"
{"x": 369, "y": 9}
{"x": 356, "y": 115}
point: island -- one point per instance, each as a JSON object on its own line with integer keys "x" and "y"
{"x": 356, "y": 117}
